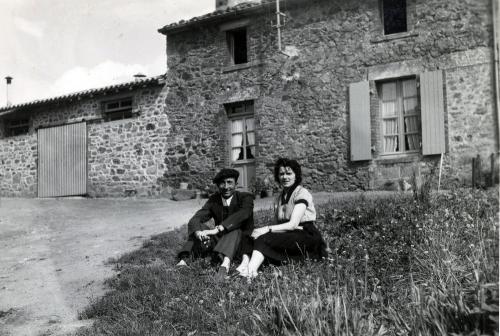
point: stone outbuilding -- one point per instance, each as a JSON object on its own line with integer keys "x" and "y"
{"x": 365, "y": 94}
{"x": 101, "y": 142}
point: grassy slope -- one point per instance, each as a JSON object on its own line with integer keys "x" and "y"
{"x": 402, "y": 266}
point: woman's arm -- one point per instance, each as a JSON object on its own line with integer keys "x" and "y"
{"x": 297, "y": 213}
{"x": 293, "y": 224}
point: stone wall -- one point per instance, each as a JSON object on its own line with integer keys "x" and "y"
{"x": 301, "y": 95}
{"x": 18, "y": 170}
{"x": 125, "y": 157}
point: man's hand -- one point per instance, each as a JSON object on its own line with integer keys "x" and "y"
{"x": 204, "y": 235}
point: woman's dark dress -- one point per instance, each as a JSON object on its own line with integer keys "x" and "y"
{"x": 303, "y": 242}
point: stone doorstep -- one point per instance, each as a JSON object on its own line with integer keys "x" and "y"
{"x": 183, "y": 194}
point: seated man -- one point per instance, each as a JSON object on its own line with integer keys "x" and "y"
{"x": 232, "y": 212}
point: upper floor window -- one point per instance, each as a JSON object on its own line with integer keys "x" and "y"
{"x": 237, "y": 45}
{"x": 400, "y": 114}
{"x": 117, "y": 109}
{"x": 394, "y": 16}
{"x": 17, "y": 127}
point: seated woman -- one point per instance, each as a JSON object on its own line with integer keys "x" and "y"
{"x": 293, "y": 233}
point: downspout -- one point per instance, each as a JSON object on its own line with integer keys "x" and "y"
{"x": 496, "y": 67}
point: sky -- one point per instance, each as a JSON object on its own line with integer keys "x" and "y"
{"x": 54, "y": 47}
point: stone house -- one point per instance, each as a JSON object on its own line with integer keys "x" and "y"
{"x": 99, "y": 142}
{"x": 364, "y": 93}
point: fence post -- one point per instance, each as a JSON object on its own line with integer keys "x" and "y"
{"x": 479, "y": 175}
{"x": 473, "y": 172}
{"x": 492, "y": 175}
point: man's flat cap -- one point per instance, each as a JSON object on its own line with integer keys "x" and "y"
{"x": 226, "y": 173}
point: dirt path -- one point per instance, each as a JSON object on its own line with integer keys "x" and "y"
{"x": 53, "y": 253}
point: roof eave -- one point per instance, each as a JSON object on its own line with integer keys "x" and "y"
{"x": 158, "y": 80}
{"x": 173, "y": 28}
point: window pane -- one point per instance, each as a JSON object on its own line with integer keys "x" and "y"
{"x": 126, "y": 103}
{"x": 390, "y": 126}
{"x": 250, "y": 124}
{"x": 250, "y": 138}
{"x": 412, "y": 141}
{"x": 412, "y": 124}
{"x": 112, "y": 105}
{"x": 237, "y": 140}
{"x": 388, "y": 109}
{"x": 389, "y": 91}
{"x": 410, "y": 105}
{"x": 390, "y": 144}
{"x": 409, "y": 88}
{"x": 237, "y": 154}
{"x": 250, "y": 152}
{"x": 237, "y": 126}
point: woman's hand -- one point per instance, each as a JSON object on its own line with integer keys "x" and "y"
{"x": 259, "y": 232}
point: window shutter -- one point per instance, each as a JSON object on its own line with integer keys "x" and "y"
{"x": 359, "y": 103}
{"x": 432, "y": 97}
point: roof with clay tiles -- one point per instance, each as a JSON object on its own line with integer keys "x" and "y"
{"x": 216, "y": 15}
{"x": 137, "y": 83}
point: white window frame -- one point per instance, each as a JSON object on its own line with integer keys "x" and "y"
{"x": 400, "y": 115}
{"x": 241, "y": 111}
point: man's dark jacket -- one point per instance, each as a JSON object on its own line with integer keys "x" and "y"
{"x": 239, "y": 214}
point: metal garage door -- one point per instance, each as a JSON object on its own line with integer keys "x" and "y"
{"x": 62, "y": 160}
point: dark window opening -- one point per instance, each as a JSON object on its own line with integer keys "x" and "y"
{"x": 237, "y": 43}
{"x": 394, "y": 16}
{"x": 117, "y": 109}
{"x": 17, "y": 127}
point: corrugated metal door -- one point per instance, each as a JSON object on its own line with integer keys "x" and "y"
{"x": 62, "y": 160}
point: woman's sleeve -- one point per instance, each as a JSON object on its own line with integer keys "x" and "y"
{"x": 304, "y": 197}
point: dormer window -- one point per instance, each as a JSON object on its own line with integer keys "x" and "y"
{"x": 237, "y": 45}
{"x": 394, "y": 16}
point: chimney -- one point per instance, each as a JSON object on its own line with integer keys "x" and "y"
{"x": 8, "y": 79}
{"x": 139, "y": 76}
{"x": 223, "y": 4}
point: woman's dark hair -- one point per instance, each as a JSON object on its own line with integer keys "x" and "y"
{"x": 293, "y": 164}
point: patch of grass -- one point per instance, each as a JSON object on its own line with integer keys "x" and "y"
{"x": 398, "y": 266}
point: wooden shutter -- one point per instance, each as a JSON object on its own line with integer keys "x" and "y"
{"x": 359, "y": 103}
{"x": 432, "y": 98}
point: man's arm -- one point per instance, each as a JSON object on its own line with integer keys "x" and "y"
{"x": 197, "y": 222}
{"x": 235, "y": 220}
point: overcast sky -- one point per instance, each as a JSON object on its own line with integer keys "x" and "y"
{"x": 53, "y": 47}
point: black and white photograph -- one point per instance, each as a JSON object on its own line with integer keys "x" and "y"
{"x": 249, "y": 167}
